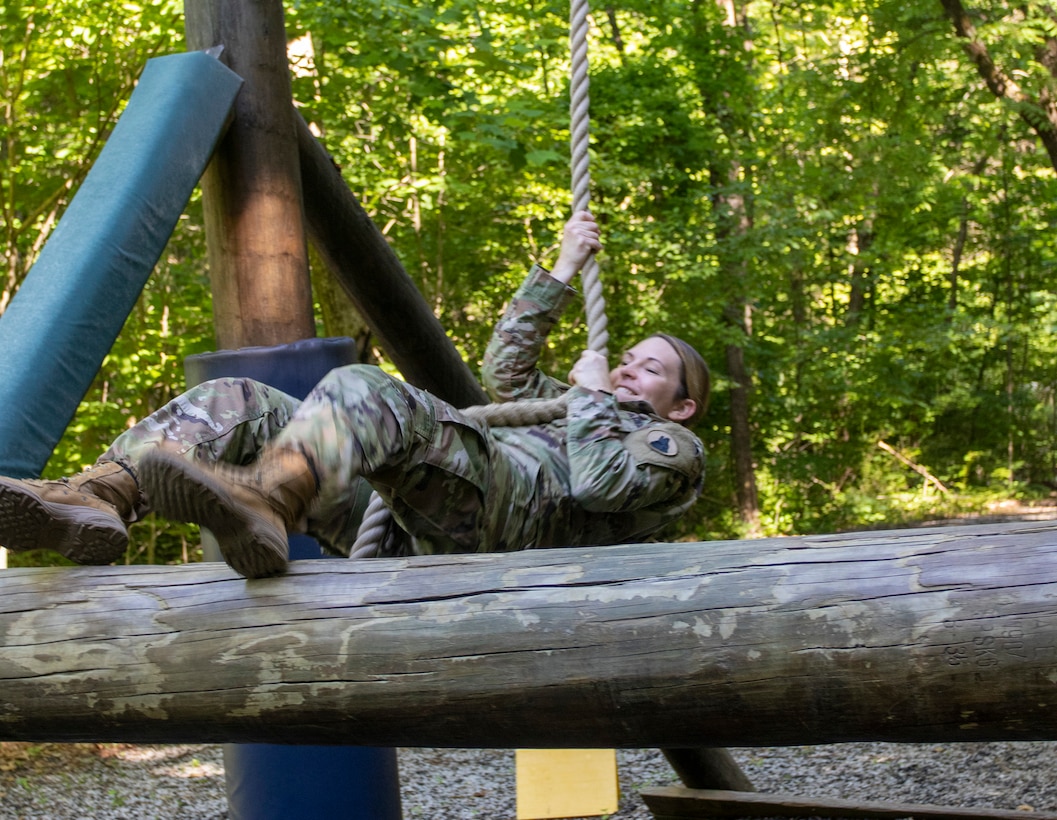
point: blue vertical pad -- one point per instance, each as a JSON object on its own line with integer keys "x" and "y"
{"x": 64, "y": 319}
{"x": 271, "y": 781}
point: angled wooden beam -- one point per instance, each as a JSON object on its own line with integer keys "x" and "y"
{"x": 369, "y": 271}
{"x": 917, "y": 636}
{"x": 707, "y": 768}
{"x": 72, "y": 305}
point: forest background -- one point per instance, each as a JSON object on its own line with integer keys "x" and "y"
{"x": 848, "y": 207}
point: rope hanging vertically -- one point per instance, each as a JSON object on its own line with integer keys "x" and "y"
{"x": 579, "y": 130}
{"x": 378, "y": 534}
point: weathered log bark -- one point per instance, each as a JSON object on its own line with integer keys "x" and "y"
{"x": 368, "y": 269}
{"x": 930, "y": 635}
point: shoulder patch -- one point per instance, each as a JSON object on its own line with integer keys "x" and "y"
{"x": 667, "y": 445}
{"x": 662, "y": 442}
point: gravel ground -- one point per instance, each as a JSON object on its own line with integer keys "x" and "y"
{"x": 117, "y": 781}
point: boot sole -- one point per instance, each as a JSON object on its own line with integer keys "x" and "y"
{"x": 84, "y": 535}
{"x": 181, "y": 491}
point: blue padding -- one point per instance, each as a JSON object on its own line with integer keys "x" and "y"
{"x": 295, "y": 369}
{"x": 73, "y": 303}
{"x": 265, "y": 780}
{"x": 312, "y": 783}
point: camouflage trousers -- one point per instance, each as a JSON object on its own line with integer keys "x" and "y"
{"x": 445, "y": 479}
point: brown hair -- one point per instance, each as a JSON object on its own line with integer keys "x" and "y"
{"x": 695, "y": 381}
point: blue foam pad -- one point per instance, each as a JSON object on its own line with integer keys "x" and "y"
{"x": 64, "y": 319}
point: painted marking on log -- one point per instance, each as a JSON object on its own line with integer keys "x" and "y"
{"x": 699, "y": 627}
{"x": 984, "y": 646}
{"x": 545, "y": 576}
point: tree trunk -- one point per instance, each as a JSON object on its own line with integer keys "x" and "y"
{"x": 861, "y": 240}
{"x": 960, "y": 240}
{"x": 741, "y": 439}
{"x": 956, "y": 259}
{"x": 1040, "y": 112}
{"x": 337, "y": 311}
{"x": 732, "y": 221}
{"x": 371, "y": 274}
{"x": 919, "y": 636}
{"x": 731, "y": 199}
{"x": 258, "y": 258}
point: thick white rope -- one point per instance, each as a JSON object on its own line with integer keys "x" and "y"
{"x": 370, "y": 537}
{"x": 376, "y": 533}
{"x": 579, "y": 127}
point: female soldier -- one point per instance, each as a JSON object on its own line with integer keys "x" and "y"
{"x": 617, "y": 468}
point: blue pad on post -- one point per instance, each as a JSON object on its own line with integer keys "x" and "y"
{"x": 64, "y": 319}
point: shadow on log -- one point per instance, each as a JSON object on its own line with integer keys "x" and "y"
{"x": 926, "y": 635}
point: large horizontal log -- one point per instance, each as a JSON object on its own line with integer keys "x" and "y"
{"x": 945, "y": 634}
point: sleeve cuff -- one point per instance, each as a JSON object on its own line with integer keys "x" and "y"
{"x": 544, "y": 289}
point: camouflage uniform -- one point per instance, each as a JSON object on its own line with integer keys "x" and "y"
{"x": 230, "y": 420}
{"x": 608, "y": 473}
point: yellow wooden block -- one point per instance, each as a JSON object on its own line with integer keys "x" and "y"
{"x": 555, "y": 783}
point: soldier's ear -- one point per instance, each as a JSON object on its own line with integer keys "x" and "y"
{"x": 683, "y": 410}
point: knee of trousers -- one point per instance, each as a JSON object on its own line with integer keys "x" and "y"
{"x": 212, "y": 416}
{"x": 366, "y": 385}
{"x": 385, "y": 417}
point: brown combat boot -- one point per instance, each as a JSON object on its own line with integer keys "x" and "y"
{"x": 248, "y": 509}
{"x": 83, "y": 517}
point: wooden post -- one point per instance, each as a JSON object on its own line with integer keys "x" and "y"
{"x": 258, "y": 258}
{"x": 706, "y": 768}
{"x": 916, "y": 636}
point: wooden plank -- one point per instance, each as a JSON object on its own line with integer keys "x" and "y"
{"x": 675, "y": 803}
{"x": 931, "y": 635}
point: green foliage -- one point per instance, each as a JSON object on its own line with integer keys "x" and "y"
{"x": 829, "y": 188}
{"x": 66, "y": 71}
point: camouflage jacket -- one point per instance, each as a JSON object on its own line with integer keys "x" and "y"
{"x": 609, "y": 472}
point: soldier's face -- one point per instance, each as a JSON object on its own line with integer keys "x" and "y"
{"x": 651, "y": 371}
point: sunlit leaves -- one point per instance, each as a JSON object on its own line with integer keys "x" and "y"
{"x": 898, "y": 256}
